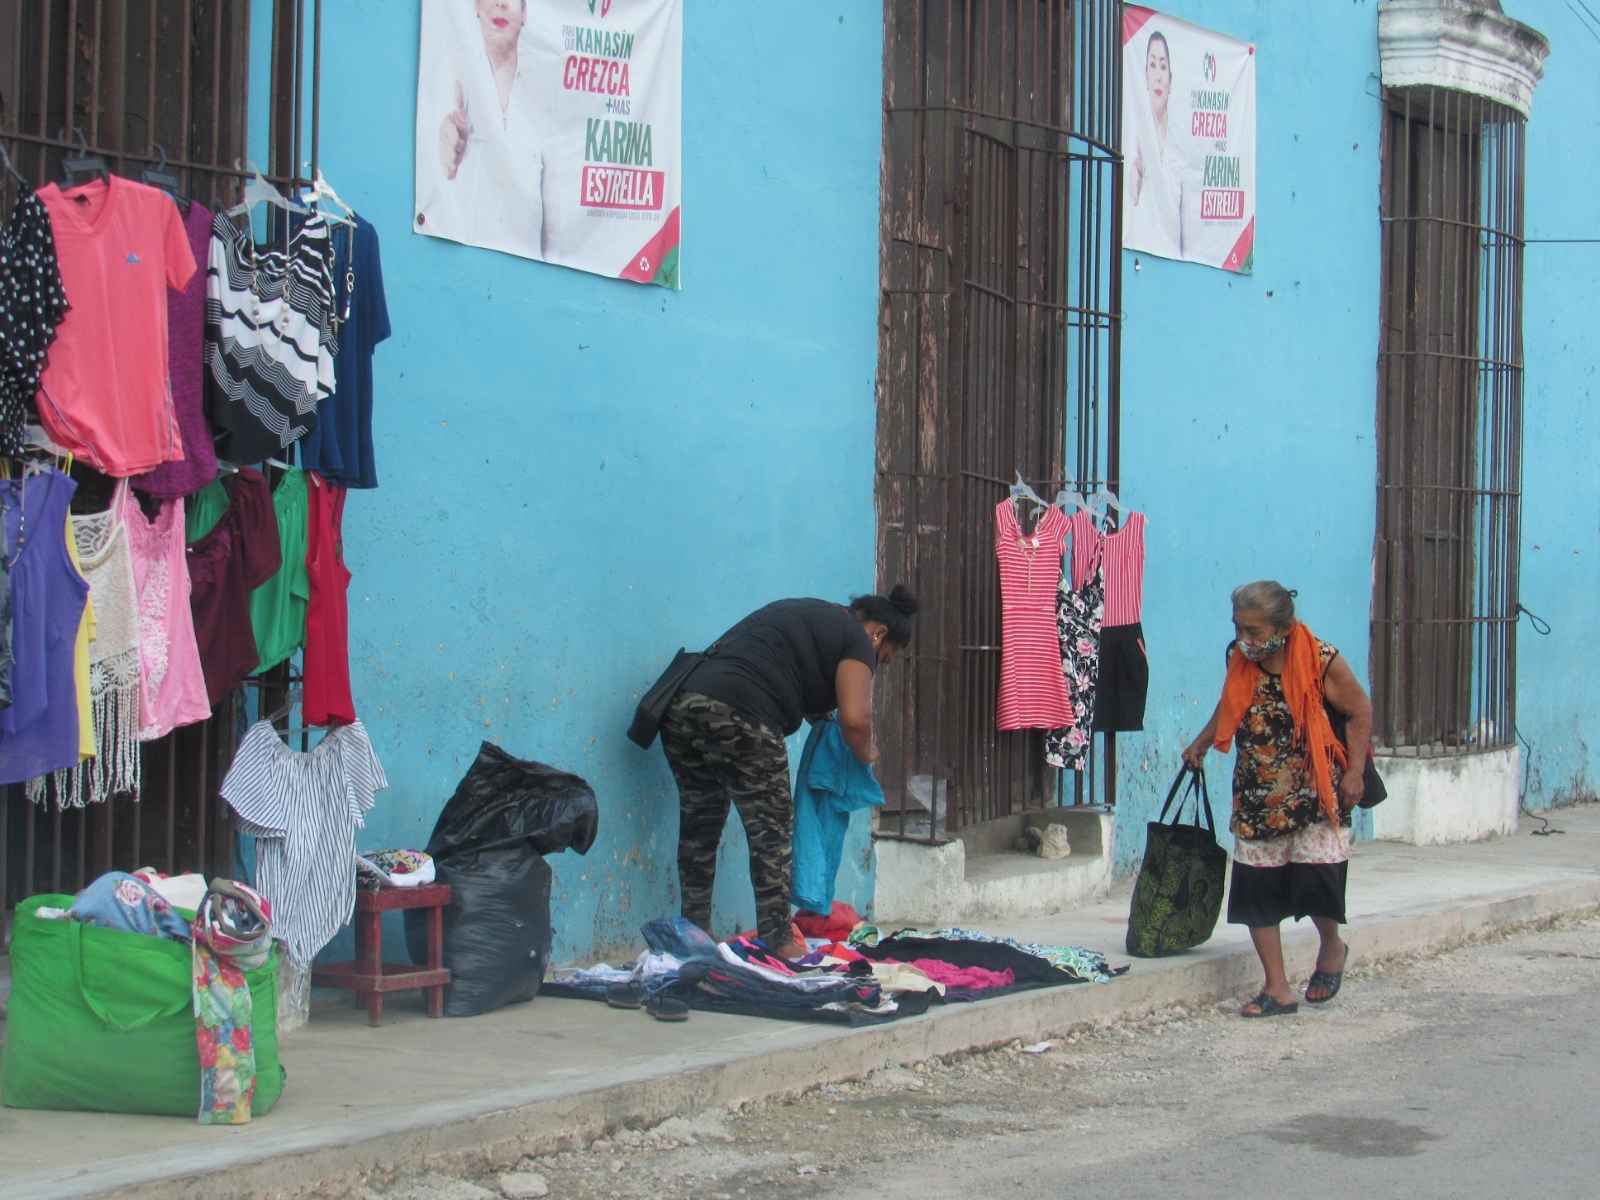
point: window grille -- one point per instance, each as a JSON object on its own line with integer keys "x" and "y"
{"x": 999, "y": 335}
{"x": 141, "y": 80}
{"x": 1444, "y": 607}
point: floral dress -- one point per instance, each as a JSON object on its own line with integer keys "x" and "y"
{"x": 1080, "y": 612}
{"x": 1274, "y": 791}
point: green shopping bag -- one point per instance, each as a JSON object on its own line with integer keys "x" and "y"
{"x": 103, "y": 1020}
{"x": 1178, "y": 896}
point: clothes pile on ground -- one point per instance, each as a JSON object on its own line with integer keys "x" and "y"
{"x": 145, "y": 994}
{"x": 852, "y": 972}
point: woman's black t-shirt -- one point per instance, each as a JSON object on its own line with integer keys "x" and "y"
{"x": 777, "y": 666}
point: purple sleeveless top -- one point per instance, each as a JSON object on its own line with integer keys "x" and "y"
{"x": 39, "y": 732}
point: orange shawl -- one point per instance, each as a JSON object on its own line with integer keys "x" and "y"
{"x": 1302, "y": 689}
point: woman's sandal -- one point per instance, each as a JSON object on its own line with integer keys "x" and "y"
{"x": 1268, "y": 1007}
{"x": 1327, "y": 979}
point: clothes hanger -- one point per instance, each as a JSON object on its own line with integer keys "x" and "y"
{"x": 159, "y": 177}
{"x": 86, "y": 163}
{"x": 321, "y": 190}
{"x": 1105, "y": 496}
{"x": 258, "y": 191}
{"x": 11, "y": 170}
{"x": 1065, "y": 497}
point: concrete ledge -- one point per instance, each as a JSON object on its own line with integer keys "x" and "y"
{"x": 979, "y": 877}
{"x": 1451, "y": 798}
{"x": 496, "y": 1127}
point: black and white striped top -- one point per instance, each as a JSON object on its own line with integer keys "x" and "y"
{"x": 269, "y": 336}
{"x": 303, "y": 810}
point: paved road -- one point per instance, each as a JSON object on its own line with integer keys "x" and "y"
{"x": 1475, "y": 1074}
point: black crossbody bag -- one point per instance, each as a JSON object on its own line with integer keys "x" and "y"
{"x": 1373, "y": 792}
{"x": 652, "y": 708}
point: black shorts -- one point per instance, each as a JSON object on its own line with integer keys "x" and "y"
{"x": 1124, "y": 680}
{"x": 1260, "y": 896}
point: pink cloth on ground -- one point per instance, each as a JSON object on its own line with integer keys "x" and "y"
{"x": 972, "y": 978}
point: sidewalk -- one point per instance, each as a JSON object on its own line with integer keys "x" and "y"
{"x": 534, "y": 1076}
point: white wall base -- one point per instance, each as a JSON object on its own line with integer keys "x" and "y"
{"x": 931, "y": 885}
{"x": 1454, "y": 798}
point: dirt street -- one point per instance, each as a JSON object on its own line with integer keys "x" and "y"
{"x": 1475, "y": 1073}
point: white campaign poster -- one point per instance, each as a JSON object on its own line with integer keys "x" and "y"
{"x": 1188, "y": 141}
{"x": 552, "y": 129}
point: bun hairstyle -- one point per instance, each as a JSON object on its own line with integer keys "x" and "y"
{"x": 893, "y": 611}
{"x": 1267, "y": 597}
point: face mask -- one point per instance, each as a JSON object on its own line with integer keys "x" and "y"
{"x": 1264, "y": 651}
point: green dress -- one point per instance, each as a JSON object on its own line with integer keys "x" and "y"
{"x": 278, "y": 606}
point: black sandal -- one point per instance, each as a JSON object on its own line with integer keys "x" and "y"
{"x": 625, "y": 995}
{"x": 1328, "y": 979}
{"x": 1270, "y": 1008}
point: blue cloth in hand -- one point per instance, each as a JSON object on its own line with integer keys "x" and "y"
{"x": 830, "y": 786}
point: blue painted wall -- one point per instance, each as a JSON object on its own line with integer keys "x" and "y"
{"x": 580, "y": 475}
{"x": 1558, "y": 702}
{"x": 1248, "y": 401}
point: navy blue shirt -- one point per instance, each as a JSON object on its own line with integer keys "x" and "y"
{"x": 339, "y": 448}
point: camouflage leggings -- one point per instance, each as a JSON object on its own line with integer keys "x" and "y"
{"x": 717, "y": 755}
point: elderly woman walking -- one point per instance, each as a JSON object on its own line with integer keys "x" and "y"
{"x": 1292, "y": 795}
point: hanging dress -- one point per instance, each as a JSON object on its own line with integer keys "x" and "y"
{"x": 186, "y": 341}
{"x": 303, "y": 810}
{"x": 238, "y": 554}
{"x": 1033, "y": 688}
{"x": 1124, "y": 667}
{"x": 278, "y": 606}
{"x": 269, "y": 336}
{"x": 105, "y": 560}
{"x": 32, "y": 304}
{"x": 172, "y": 686}
{"x": 327, "y": 663}
{"x": 39, "y": 732}
{"x": 1080, "y": 613}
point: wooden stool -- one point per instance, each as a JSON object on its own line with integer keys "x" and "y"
{"x": 369, "y": 975}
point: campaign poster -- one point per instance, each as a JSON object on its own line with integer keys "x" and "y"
{"x": 552, "y": 130}
{"x": 1188, "y": 141}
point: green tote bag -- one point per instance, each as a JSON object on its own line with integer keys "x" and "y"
{"x": 103, "y": 1020}
{"x": 1178, "y": 896}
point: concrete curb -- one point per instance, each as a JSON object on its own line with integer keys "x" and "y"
{"x": 495, "y": 1129}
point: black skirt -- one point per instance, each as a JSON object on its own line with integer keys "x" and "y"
{"x": 1124, "y": 680}
{"x": 1260, "y": 896}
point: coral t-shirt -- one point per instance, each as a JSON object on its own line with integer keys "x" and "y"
{"x": 105, "y": 394}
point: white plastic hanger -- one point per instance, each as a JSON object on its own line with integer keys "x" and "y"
{"x": 258, "y": 191}
{"x": 319, "y": 191}
{"x": 1103, "y": 496}
{"x": 1021, "y": 491}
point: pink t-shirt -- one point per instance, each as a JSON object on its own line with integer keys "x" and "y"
{"x": 105, "y": 394}
{"x": 173, "y": 687}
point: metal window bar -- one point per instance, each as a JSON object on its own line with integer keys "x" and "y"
{"x": 1446, "y": 556}
{"x": 999, "y": 341}
{"x": 132, "y": 75}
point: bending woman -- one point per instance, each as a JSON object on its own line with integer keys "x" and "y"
{"x": 1292, "y": 795}
{"x": 723, "y": 735}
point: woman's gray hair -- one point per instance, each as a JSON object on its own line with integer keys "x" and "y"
{"x": 1267, "y": 597}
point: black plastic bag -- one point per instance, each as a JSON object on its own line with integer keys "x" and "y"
{"x": 488, "y": 845}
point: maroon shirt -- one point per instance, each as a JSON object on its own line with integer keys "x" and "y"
{"x": 186, "y": 341}
{"x": 239, "y": 554}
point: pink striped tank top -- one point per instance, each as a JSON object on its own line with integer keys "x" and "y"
{"x": 1033, "y": 686}
{"x": 1124, "y": 558}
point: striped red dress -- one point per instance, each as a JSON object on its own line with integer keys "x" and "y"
{"x": 1033, "y": 687}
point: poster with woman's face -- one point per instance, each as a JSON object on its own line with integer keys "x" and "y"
{"x": 1188, "y": 141}
{"x": 551, "y": 129}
